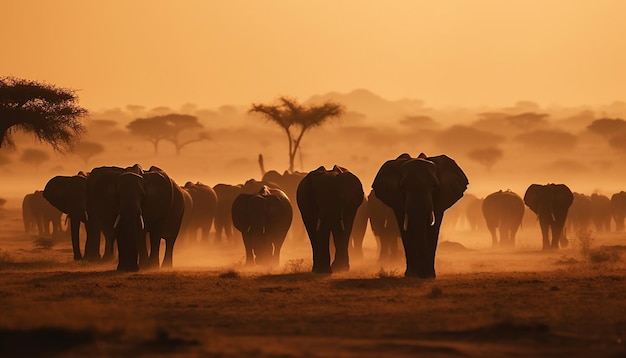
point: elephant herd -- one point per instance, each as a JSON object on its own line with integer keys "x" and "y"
{"x": 555, "y": 206}
{"x": 138, "y": 208}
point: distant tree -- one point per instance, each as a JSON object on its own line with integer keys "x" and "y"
{"x": 486, "y": 156}
{"x": 49, "y": 112}
{"x": 296, "y": 119}
{"x": 2, "y": 202}
{"x": 34, "y": 157}
{"x": 607, "y": 127}
{"x": 418, "y": 122}
{"x": 169, "y": 127}
{"x": 85, "y": 150}
{"x": 547, "y": 139}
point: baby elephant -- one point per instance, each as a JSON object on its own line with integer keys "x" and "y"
{"x": 264, "y": 219}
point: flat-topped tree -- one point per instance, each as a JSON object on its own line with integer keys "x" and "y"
{"x": 50, "y": 113}
{"x": 295, "y": 119}
{"x": 169, "y": 127}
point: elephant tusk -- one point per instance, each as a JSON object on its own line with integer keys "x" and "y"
{"x": 143, "y": 224}
{"x": 319, "y": 223}
{"x": 248, "y": 229}
{"x": 117, "y": 221}
{"x": 406, "y": 222}
{"x": 86, "y": 216}
{"x": 432, "y": 218}
{"x": 385, "y": 224}
{"x": 343, "y": 226}
{"x": 263, "y": 229}
{"x": 553, "y": 218}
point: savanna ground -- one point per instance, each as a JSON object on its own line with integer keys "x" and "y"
{"x": 484, "y": 302}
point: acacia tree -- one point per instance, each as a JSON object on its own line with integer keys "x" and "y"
{"x": 169, "y": 127}
{"x": 296, "y": 119}
{"x": 34, "y": 156}
{"x": 486, "y": 156}
{"x": 85, "y": 150}
{"x": 49, "y": 112}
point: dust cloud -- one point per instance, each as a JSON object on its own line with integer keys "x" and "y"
{"x": 498, "y": 148}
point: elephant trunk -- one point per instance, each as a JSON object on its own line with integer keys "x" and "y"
{"x": 417, "y": 210}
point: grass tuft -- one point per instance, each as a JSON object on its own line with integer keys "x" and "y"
{"x": 387, "y": 274}
{"x": 295, "y": 266}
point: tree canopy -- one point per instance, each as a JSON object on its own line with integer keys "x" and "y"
{"x": 608, "y": 127}
{"x": 85, "y": 150}
{"x": 50, "y": 113}
{"x": 486, "y": 156}
{"x": 296, "y": 119}
{"x": 169, "y": 127}
{"x": 34, "y": 156}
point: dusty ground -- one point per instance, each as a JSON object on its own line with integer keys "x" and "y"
{"x": 484, "y": 302}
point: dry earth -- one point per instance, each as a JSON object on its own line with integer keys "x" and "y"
{"x": 484, "y": 302}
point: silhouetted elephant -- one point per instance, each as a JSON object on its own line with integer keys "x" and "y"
{"x": 226, "y": 195}
{"x": 204, "y": 206}
{"x": 579, "y": 214}
{"x": 458, "y": 216}
{"x": 38, "y": 214}
{"x": 503, "y": 210}
{"x": 385, "y": 228}
{"x": 601, "y": 212}
{"x": 69, "y": 195}
{"x": 288, "y": 183}
{"x": 419, "y": 190}
{"x": 551, "y": 203}
{"x": 328, "y": 202}
{"x": 148, "y": 202}
{"x": 263, "y": 219}
{"x": 618, "y": 209}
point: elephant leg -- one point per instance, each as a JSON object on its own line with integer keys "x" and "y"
{"x": 155, "y": 245}
{"x": 92, "y": 243}
{"x": 494, "y": 236}
{"x": 545, "y": 228}
{"x": 341, "y": 238}
{"x": 247, "y": 243}
{"x": 169, "y": 253}
{"x": 320, "y": 245}
{"x": 75, "y": 229}
{"x": 109, "y": 241}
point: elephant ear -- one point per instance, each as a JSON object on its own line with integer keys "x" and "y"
{"x": 239, "y": 212}
{"x": 159, "y": 195}
{"x": 531, "y": 197}
{"x": 452, "y": 182}
{"x": 386, "y": 184}
{"x": 56, "y": 193}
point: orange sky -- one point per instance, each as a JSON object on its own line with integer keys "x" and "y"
{"x": 469, "y": 53}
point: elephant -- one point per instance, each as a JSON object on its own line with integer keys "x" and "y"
{"x": 328, "y": 201}
{"x": 68, "y": 194}
{"x": 148, "y": 202}
{"x": 38, "y": 214}
{"x": 288, "y": 183}
{"x": 579, "y": 214}
{"x": 551, "y": 203}
{"x": 601, "y": 212}
{"x": 618, "y": 209}
{"x": 385, "y": 228}
{"x": 420, "y": 190}
{"x": 263, "y": 218}
{"x": 204, "y": 200}
{"x": 503, "y": 210}
{"x": 188, "y": 207}
{"x": 226, "y": 195}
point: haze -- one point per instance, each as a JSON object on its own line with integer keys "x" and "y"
{"x": 462, "y": 53}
